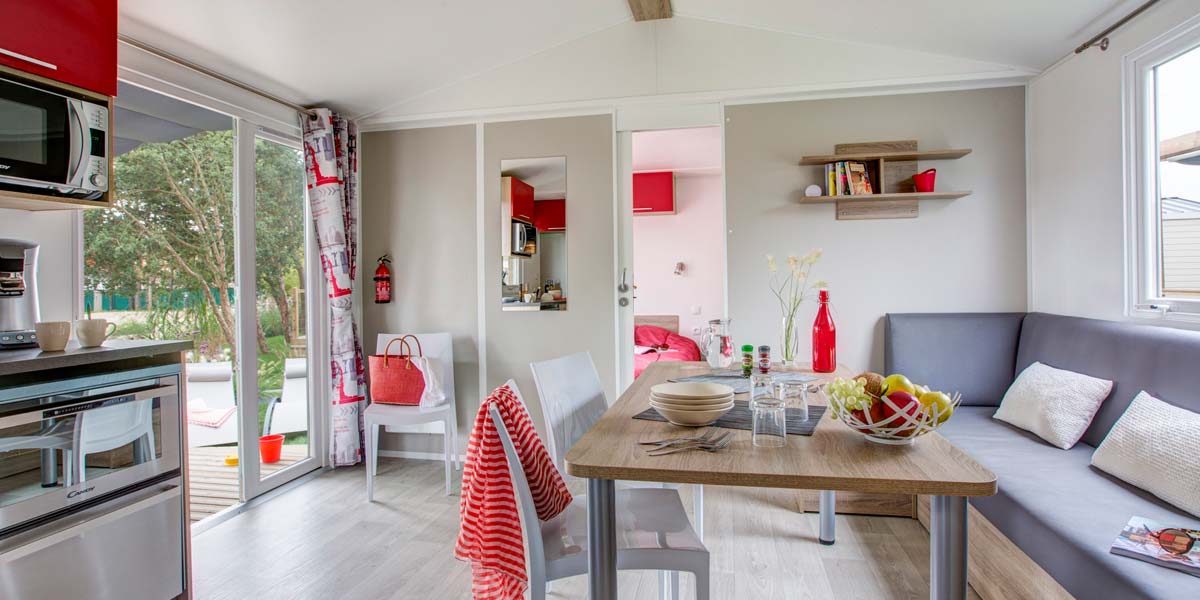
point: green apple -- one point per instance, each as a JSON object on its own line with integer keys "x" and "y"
{"x": 898, "y": 383}
{"x": 937, "y": 402}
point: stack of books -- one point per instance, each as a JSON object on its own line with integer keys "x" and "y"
{"x": 847, "y": 178}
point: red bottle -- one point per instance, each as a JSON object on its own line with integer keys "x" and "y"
{"x": 824, "y": 338}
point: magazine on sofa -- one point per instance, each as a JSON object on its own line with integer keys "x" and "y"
{"x": 1172, "y": 547}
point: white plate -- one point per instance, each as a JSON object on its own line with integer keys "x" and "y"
{"x": 692, "y": 418}
{"x": 689, "y": 390}
{"x": 693, "y": 404}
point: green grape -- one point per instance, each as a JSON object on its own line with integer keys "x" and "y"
{"x": 849, "y": 394}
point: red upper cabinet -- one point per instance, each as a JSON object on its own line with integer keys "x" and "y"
{"x": 72, "y": 41}
{"x": 654, "y": 193}
{"x": 550, "y": 215}
{"x": 520, "y": 196}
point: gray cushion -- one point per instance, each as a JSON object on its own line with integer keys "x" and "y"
{"x": 1065, "y": 514}
{"x": 969, "y": 353}
{"x": 1162, "y": 361}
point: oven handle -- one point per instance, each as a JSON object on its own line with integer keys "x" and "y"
{"x": 35, "y": 416}
{"x": 162, "y": 494}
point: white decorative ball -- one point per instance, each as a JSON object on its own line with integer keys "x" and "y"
{"x": 812, "y": 190}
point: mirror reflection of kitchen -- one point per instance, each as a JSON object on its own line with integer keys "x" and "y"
{"x": 533, "y": 232}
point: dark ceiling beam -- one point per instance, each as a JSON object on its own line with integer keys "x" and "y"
{"x": 649, "y": 10}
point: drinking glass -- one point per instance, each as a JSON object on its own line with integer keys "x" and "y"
{"x": 793, "y": 394}
{"x": 762, "y": 385}
{"x": 770, "y": 423}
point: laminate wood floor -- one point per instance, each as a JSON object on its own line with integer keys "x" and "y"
{"x": 323, "y": 540}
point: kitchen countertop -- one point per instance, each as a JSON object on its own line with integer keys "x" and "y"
{"x": 14, "y": 362}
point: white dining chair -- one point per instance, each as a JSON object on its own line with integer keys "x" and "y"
{"x": 110, "y": 427}
{"x": 394, "y": 418}
{"x": 572, "y": 401}
{"x": 653, "y": 532}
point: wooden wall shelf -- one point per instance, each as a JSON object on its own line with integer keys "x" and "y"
{"x": 890, "y": 166}
{"x": 23, "y": 201}
{"x": 895, "y": 196}
{"x": 821, "y": 159}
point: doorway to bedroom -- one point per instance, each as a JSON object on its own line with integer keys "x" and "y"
{"x": 678, "y": 242}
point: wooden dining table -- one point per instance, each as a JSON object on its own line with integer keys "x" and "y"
{"x": 835, "y": 458}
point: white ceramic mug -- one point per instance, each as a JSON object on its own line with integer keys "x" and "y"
{"x": 52, "y": 336}
{"x": 92, "y": 332}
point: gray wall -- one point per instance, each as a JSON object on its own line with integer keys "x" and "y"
{"x": 960, "y": 255}
{"x": 418, "y": 204}
{"x": 515, "y": 339}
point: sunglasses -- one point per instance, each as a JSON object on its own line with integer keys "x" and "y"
{"x": 1176, "y": 541}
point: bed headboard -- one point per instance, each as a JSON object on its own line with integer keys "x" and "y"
{"x": 668, "y": 322}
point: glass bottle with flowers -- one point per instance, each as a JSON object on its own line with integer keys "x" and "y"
{"x": 791, "y": 286}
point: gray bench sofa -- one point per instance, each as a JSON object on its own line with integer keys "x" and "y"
{"x": 1058, "y": 509}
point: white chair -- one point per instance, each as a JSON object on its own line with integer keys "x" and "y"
{"x": 290, "y": 413}
{"x": 104, "y": 429}
{"x": 653, "y": 532}
{"x": 54, "y": 437}
{"x": 393, "y": 418}
{"x": 211, "y": 384}
{"x": 572, "y": 401}
{"x": 96, "y": 430}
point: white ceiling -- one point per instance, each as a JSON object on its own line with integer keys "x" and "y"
{"x": 696, "y": 150}
{"x": 365, "y": 56}
{"x": 547, "y": 176}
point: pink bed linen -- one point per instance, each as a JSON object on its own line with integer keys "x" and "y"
{"x": 678, "y": 347}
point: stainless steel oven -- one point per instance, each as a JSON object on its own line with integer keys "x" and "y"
{"x": 52, "y": 142}
{"x": 90, "y": 487}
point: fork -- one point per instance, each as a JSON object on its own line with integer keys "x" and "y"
{"x": 718, "y": 443}
{"x": 672, "y": 441}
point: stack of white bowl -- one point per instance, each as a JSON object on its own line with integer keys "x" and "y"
{"x": 691, "y": 404}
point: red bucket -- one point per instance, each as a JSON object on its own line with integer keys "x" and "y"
{"x": 923, "y": 181}
{"x": 269, "y": 448}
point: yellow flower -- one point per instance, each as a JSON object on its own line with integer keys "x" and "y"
{"x": 812, "y": 257}
{"x": 771, "y": 266}
{"x": 793, "y": 261}
{"x": 821, "y": 284}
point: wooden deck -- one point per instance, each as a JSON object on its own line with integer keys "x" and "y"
{"x": 214, "y": 485}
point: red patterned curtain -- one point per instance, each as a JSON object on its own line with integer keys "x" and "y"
{"x": 331, "y": 160}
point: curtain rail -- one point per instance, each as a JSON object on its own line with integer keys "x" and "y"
{"x": 187, "y": 64}
{"x": 1101, "y": 39}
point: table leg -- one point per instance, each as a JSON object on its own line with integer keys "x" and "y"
{"x": 828, "y": 511}
{"x": 947, "y": 548}
{"x": 602, "y": 539}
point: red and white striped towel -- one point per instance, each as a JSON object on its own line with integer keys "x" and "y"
{"x": 490, "y": 531}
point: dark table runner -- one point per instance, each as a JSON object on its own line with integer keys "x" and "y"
{"x": 741, "y": 418}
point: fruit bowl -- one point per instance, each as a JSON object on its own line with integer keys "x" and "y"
{"x": 894, "y": 416}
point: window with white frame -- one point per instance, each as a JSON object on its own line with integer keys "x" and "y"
{"x": 1163, "y": 132}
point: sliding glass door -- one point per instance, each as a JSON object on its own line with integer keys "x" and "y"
{"x": 209, "y": 240}
{"x": 275, "y": 240}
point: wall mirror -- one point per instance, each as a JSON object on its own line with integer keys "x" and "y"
{"x": 533, "y": 234}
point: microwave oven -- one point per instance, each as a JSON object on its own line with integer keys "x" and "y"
{"x": 51, "y": 142}
{"x": 524, "y": 239}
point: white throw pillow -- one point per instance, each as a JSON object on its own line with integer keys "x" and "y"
{"x": 1054, "y": 404}
{"x": 1154, "y": 446}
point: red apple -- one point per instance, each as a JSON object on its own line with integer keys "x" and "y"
{"x": 905, "y": 404}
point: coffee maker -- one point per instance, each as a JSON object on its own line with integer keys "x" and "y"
{"x": 18, "y": 294}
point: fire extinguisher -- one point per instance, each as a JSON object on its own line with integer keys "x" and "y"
{"x": 383, "y": 281}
